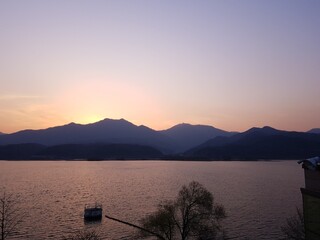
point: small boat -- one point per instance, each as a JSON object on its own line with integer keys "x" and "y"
{"x": 92, "y": 212}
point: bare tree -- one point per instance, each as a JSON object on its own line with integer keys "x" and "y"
{"x": 193, "y": 215}
{"x": 294, "y": 229}
{"x": 84, "y": 235}
{"x": 10, "y": 214}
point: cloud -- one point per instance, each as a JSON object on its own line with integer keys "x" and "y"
{"x": 18, "y": 97}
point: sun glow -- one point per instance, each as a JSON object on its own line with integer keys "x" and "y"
{"x": 90, "y": 119}
{"x": 149, "y": 65}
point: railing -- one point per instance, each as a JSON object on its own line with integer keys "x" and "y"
{"x": 95, "y": 205}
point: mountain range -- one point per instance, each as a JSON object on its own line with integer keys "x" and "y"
{"x": 109, "y": 131}
{"x": 259, "y": 143}
{"x": 106, "y": 131}
{"x": 120, "y": 139}
{"x": 314, "y": 130}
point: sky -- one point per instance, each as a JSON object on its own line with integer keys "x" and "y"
{"x": 232, "y": 64}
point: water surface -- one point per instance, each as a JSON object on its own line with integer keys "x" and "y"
{"x": 258, "y": 196}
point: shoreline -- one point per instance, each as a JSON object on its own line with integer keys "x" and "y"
{"x": 145, "y": 160}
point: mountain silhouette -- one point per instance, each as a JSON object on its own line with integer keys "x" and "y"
{"x": 243, "y": 138}
{"x": 109, "y": 131}
{"x": 314, "y": 130}
{"x": 121, "y": 139}
{"x": 20, "y": 151}
{"x": 188, "y": 136}
{"x": 31, "y": 151}
{"x": 259, "y": 143}
{"x": 106, "y": 131}
{"x": 99, "y": 151}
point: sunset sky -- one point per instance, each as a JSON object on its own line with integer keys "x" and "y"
{"x": 230, "y": 64}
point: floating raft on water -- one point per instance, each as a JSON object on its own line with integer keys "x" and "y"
{"x": 92, "y": 212}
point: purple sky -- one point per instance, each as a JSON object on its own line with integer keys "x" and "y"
{"x": 230, "y": 64}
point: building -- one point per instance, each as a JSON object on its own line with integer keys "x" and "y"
{"x": 311, "y": 198}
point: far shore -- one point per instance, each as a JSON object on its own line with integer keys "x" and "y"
{"x": 160, "y": 159}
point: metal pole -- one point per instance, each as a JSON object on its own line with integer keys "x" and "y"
{"x": 135, "y": 226}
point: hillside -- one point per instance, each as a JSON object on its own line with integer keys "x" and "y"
{"x": 259, "y": 143}
{"x": 106, "y": 131}
{"x": 78, "y": 151}
{"x": 188, "y": 136}
{"x": 19, "y": 151}
{"x": 314, "y": 130}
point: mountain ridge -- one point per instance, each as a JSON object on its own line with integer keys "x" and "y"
{"x": 104, "y": 131}
{"x": 314, "y": 130}
{"x": 118, "y": 131}
{"x": 180, "y": 141}
{"x": 259, "y": 143}
{"x": 188, "y": 135}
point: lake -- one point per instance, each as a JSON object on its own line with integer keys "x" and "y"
{"x": 258, "y": 196}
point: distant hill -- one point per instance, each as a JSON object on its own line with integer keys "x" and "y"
{"x": 106, "y": 131}
{"x": 314, "y": 130}
{"x": 78, "y": 151}
{"x": 259, "y": 143}
{"x": 1, "y": 133}
{"x": 20, "y": 151}
{"x": 188, "y": 136}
